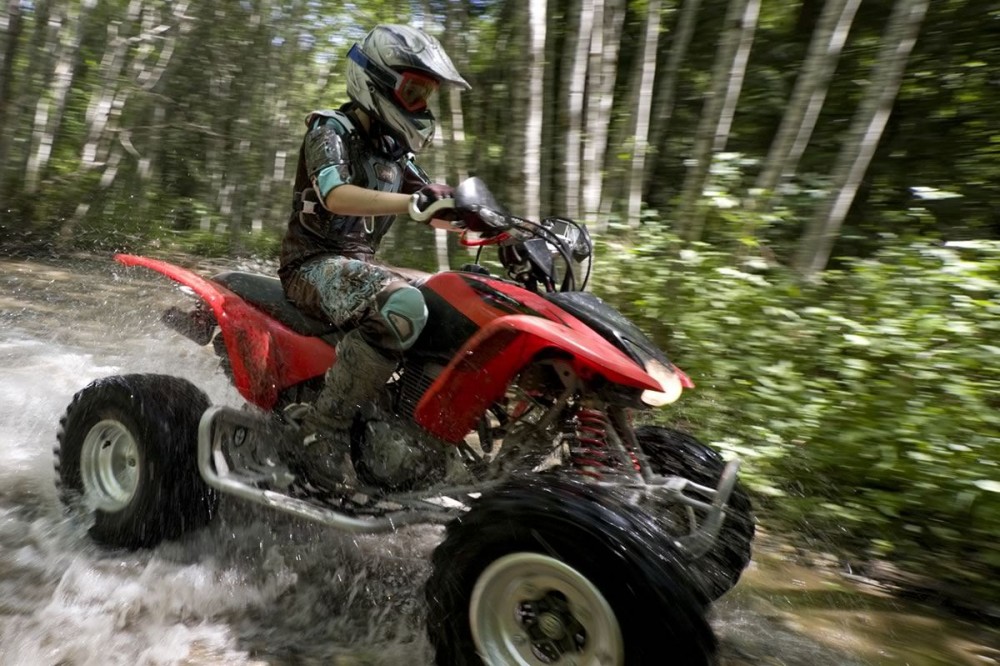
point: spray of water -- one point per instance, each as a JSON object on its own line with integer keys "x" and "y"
{"x": 253, "y": 587}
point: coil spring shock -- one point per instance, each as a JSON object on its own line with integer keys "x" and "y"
{"x": 591, "y": 455}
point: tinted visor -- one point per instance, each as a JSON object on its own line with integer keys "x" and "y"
{"x": 413, "y": 89}
{"x": 410, "y": 88}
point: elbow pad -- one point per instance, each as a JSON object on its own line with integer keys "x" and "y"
{"x": 326, "y": 158}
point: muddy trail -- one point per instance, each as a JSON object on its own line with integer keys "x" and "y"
{"x": 256, "y": 587}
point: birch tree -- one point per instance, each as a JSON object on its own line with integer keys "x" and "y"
{"x": 666, "y": 90}
{"x": 577, "y": 89}
{"x": 138, "y": 53}
{"x": 563, "y": 63}
{"x": 107, "y": 101}
{"x": 808, "y": 96}
{"x": 452, "y": 125}
{"x": 553, "y": 147}
{"x": 643, "y": 111}
{"x": 863, "y": 136}
{"x": 100, "y": 151}
{"x": 519, "y": 72}
{"x": 533, "y": 152}
{"x": 624, "y": 120}
{"x": 719, "y": 107}
{"x": 34, "y": 85}
{"x": 11, "y": 23}
{"x": 737, "y": 74}
{"x": 49, "y": 110}
{"x": 603, "y": 65}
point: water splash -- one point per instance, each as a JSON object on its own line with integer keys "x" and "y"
{"x": 256, "y": 587}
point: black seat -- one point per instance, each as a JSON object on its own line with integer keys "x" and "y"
{"x": 265, "y": 293}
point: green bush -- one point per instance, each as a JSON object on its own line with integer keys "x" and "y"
{"x": 865, "y": 406}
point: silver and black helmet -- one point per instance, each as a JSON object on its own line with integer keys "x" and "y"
{"x": 390, "y": 75}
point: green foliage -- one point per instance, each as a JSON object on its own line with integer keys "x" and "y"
{"x": 865, "y": 406}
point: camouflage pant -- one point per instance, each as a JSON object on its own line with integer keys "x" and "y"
{"x": 347, "y": 293}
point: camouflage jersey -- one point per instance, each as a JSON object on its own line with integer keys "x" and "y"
{"x": 335, "y": 151}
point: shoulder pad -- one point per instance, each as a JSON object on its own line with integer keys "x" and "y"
{"x": 339, "y": 116}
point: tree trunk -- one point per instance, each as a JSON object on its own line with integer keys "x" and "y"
{"x": 577, "y": 89}
{"x": 10, "y": 34}
{"x": 10, "y": 31}
{"x": 622, "y": 130}
{"x": 101, "y": 149}
{"x": 551, "y": 199}
{"x": 643, "y": 111}
{"x": 533, "y": 152}
{"x": 666, "y": 90}
{"x": 150, "y": 139}
{"x": 563, "y": 59}
{"x": 863, "y": 137}
{"x": 33, "y": 91}
{"x": 520, "y": 96}
{"x": 807, "y": 98}
{"x": 737, "y": 74}
{"x": 456, "y": 44}
{"x": 604, "y": 48}
{"x": 47, "y": 122}
{"x": 110, "y": 96}
{"x": 709, "y": 137}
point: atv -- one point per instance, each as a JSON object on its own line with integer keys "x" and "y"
{"x": 573, "y": 536}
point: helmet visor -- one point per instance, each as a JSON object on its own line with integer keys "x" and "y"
{"x": 410, "y": 88}
{"x": 413, "y": 89}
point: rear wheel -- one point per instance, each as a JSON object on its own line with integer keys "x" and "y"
{"x": 672, "y": 452}
{"x": 126, "y": 453}
{"x": 562, "y": 573}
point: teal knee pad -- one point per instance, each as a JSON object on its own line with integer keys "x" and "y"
{"x": 405, "y": 313}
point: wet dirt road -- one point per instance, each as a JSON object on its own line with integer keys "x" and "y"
{"x": 258, "y": 588}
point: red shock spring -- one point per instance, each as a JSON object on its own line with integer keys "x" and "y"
{"x": 591, "y": 455}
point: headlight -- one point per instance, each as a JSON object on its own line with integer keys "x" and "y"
{"x": 668, "y": 378}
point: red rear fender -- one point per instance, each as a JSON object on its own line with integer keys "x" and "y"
{"x": 481, "y": 371}
{"x": 266, "y": 356}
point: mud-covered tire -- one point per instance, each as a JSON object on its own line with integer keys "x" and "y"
{"x": 523, "y": 547}
{"x": 126, "y": 453}
{"x": 673, "y": 452}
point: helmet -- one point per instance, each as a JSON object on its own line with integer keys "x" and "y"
{"x": 390, "y": 75}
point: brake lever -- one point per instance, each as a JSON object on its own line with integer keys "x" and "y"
{"x": 494, "y": 239}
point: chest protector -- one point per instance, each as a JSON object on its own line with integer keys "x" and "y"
{"x": 335, "y": 141}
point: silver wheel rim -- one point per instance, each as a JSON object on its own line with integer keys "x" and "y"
{"x": 109, "y": 466}
{"x": 530, "y": 609}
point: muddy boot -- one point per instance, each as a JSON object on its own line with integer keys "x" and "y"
{"x": 325, "y": 447}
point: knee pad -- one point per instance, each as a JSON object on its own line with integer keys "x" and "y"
{"x": 402, "y": 311}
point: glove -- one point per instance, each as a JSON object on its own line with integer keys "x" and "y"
{"x": 434, "y": 200}
{"x": 435, "y": 191}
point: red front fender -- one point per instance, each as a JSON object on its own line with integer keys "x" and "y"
{"x": 481, "y": 371}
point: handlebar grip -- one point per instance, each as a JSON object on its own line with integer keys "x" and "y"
{"x": 422, "y": 209}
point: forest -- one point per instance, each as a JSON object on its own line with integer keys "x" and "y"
{"x": 797, "y": 199}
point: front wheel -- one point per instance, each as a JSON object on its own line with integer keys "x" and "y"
{"x": 127, "y": 453}
{"x": 562, "y": 573}
{"x": 672, "y": 452}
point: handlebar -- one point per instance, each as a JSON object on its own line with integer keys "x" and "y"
{"x": 422, "y": 209}
{"x": 528, "y": 250}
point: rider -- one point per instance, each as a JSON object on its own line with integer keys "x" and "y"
{"x": 355, "y": 174}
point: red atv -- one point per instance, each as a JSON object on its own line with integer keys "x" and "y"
{"x": 572, "y": 536}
